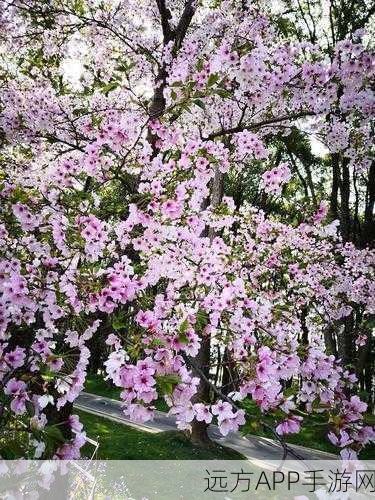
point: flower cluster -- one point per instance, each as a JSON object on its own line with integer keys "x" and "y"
{"x": 273, "y": 180}
{"x": 115, "y": 224}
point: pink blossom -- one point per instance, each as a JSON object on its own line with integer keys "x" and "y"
{"x": 291, "y": 425}
{"x": 17, "y": 390}
{"x": 321, "y": 212}
{"x": 172, "y": 209}
{"x": 342, "y": 440}
{"x": 74, "y": 423}
{"x": 202, "y": 413}
{"x": 146, "y": 319}
{"x": 222, "y": 409}
{"x": 272, "y": 180}
{"x": 143, "y": 381}
{"x": 15, "y": 359}
{"x": 139, "y": 413}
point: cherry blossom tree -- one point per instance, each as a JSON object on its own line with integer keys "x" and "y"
{"x": 115, "y": 219}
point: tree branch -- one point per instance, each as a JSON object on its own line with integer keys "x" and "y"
{"x": 286, "y": 449}
{"x": 254, "y": 126}
{"x": 184, "y": 23}
{"x": 165, "y": 16}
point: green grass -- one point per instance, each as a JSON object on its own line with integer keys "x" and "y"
{"x": 95, "y": 384}
{"x": 121, "y": 442}
{"x": 313, "y": 434}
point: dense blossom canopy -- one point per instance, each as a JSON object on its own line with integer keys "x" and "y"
{"x": 111, "y": 212}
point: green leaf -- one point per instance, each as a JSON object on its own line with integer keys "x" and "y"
{"x": 79, "y": 7}
{"x": 166, "y": 383}
{"x": 48, "y": 376}
{"x": 286, "y": 26}
{"x": 110, "y": 86}
{"x": 250, "y": 427}
{"x": 10, "y": 449}
{"x": 53, "y": 438}
{"x": 54, "y": 433}
{"x": 200, "y": 103}
{"x": 182, "y": 337}
{"x": 223, "y": 93}
{"x": 212, "y": 79}
{"x": 184, "y": 326}
{"x": 30, "y": 408}
{"x": 156, "y": 343}
{"x": 79, "y": 111}
{"x": 125, "y": 66}
{"x": 119, "y": 321}
{"x": 202, "y": 320}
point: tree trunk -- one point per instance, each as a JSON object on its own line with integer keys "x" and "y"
{"x": 345, "y": 218}
{"x": 346, "y": 341}
{"x": 365, "y": 370}
{"x": 199, "y": 433}
{"x": 330, "y": 341}
{"x": 228, "y": 383}
{"x": 335, "y": 187}
{"x": 369, "y": 377}
{"x": 368, "y": 229}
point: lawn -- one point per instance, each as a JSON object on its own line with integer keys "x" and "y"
{"x": 121, "y": 442}
{"x": 313, "y": 434}
{"x": 95, "y": 384}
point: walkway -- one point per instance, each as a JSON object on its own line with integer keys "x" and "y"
{"x": 252, "y": 447}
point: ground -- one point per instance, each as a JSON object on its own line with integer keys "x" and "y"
{"x": 121, "y": 442}
{"x": 313, "y": 435}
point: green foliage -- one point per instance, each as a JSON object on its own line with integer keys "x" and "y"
{"x": 182, "y": 337}
{"x": 313, "y": 432}
{"x": 121, "y": 442}
{"x": 95, "y": 384}
{"x": 212, "y": 79}
{"x": 165, "y": 383}
{"x": 119, "y": 321}
{"x": 200, "y": 103}
{"x": 141, "y": 199}
{"x": 78, "y": 6}
{"x": 286, "y": 27}
{"x": 108, "y": 87}
{"x": 202, "y": 320}
{"x": 12, "y": 446}
{"x": 53, "y": 438}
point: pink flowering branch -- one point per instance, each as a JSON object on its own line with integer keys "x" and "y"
{"x": 256, "y": 126}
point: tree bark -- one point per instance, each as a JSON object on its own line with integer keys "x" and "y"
{"x": 346, "y": 341}
{"x": 369, "y": 375}
{"x": 199, "y": 433}
{"x": 330, "y": 341}
{"x": 228, "y": 383}
{"x": 157, "y": 104}
{"x": 368, "y": 229}
{"x": 345, "y": 217}
{"x": 335, "y": 186}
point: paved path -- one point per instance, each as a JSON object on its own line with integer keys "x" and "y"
{"x": 253, "y": 447}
